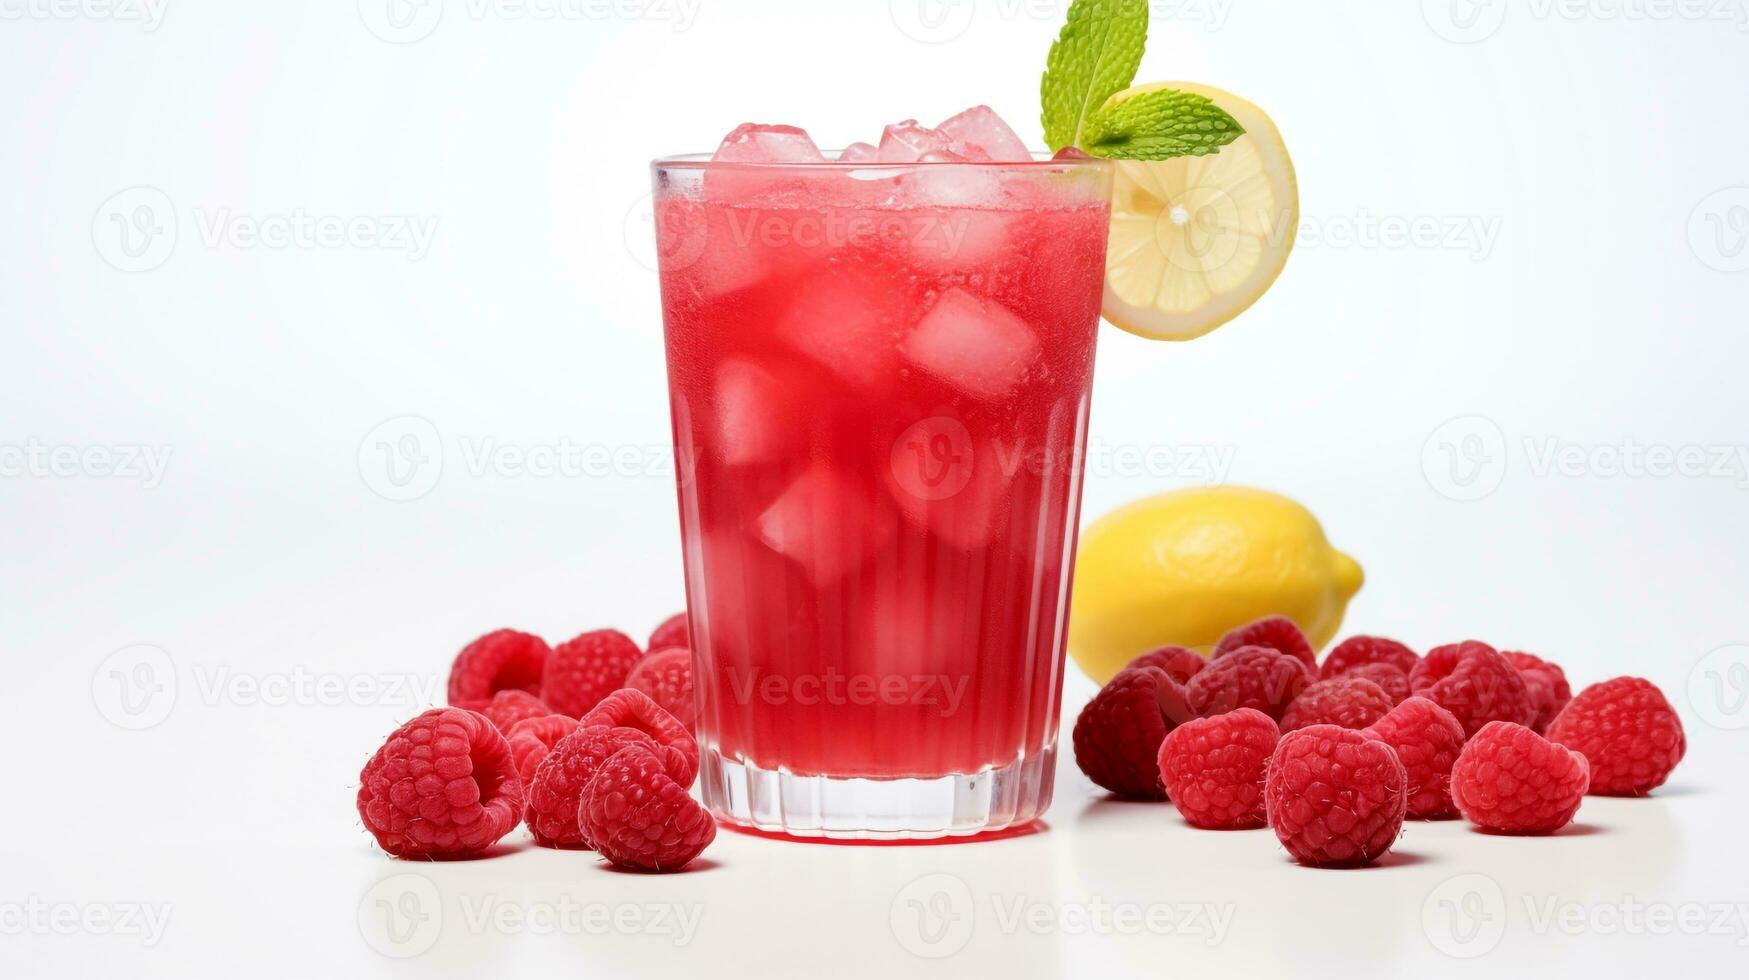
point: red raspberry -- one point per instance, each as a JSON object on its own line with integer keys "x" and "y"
{"x": 506, "y": 708}
{"x": 531, "y": 740}
{"x": 672, "y": 633}
{"x": 1510, "y": 780}
{"x": 1392, "y": 681}
{"x": 559, "y": 781}
{"x": 1547, "y": 684}
{"x": 666, "y": 676}
{"x": 1335, "y": 796}
{"x": 443, "y": 785}
{"x": 1278, "y": 633}
{"x": 1473, "y": 682}
{"x": 1213, "y": 769}
{"x": 503, "y": 661}
{"x": 1358, "y": 650}
{"x": 583, "y": 670}
{"x": 1179, "y": 663}
{"x": 1627, "y": 730}
{"x": 639, "y": 818}
{"x": 1346, "y": 702}
{"x": 1427, "y": 739}
{"x": 1249, "y": 677}
{"x": 626, "y": 708}
{"x": 1117, "y": 735}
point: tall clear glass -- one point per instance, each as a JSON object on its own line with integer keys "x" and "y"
{"x": 879, "y": 379}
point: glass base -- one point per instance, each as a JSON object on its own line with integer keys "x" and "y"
{"x": 877, "y": 809}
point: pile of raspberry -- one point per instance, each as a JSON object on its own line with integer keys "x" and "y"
{"x": 589, "y": 743}
{"x": 1335, "y": 756}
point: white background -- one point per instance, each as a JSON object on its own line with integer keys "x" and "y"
{"x": 1583, "y": 170}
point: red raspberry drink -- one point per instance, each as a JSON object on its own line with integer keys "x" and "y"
{"x": 879, "y": 370}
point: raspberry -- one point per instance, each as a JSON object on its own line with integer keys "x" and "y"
{"x": 1547, "y": 684}
{"x": 1278, "y": 633}
{"x": 666, "y": 677}
{"x": 1117, "y": 735}
{"x": 1213, "y": 769}
{"x": 1628, "y": 732}
{"x": 1335, "y": 796}
{"x": 1179, "y": 663}
{"x": 443, "y": 785}
{"x": 640, "y": 818}
{"x": 502, "y": 661}
{"x": 531, "y": 740}
{"x": 1346, "y": 702}
{"x": 583, "y": 670}
{"x": 1358, "y": 650}
{"x": 1427, "y": 739}
{"x": 506, "y": 708}
{"x": 560, "y": 779}
{"x": 1510, "y": 780}
{"x": 1392, "y": 681}
{"x": 672, "y": 633}
{"x": 1473, "y": 682}
{"x": 627, "y": 708}
{"x": 1249, "y": 677}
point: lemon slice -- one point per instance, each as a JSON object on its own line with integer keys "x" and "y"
{"x": 1196, "y": 240}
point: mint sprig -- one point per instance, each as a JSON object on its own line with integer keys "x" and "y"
{"x": 1094, "y": 58}
{"x": 1159, "y": 125}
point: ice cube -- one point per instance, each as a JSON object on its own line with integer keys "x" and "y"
{"x": 699, "y": 250}
{"x": 979, "y": 133}
{"x": 859, "y": 153}
{"x": 946, "y": 186}
{"x": 754, "y": 424}
{"x": 756, "y": 143}
{"x": 904, "y": 630}
{"x": 972, "y": 343}
{"x": 948, "y": 485}
{"x": 906, "y": 142}
{"x": 826, "y": 523}
{"x": 846, "y": 324}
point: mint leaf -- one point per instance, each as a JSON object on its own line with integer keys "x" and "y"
{"x": 1159, "y": 125}
{"x": 1095, "y": 57}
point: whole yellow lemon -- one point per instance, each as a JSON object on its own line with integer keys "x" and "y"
{"x": 1185, "y": 567}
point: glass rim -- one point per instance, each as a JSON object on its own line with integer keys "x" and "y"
{"x": 1041, "y": 161}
